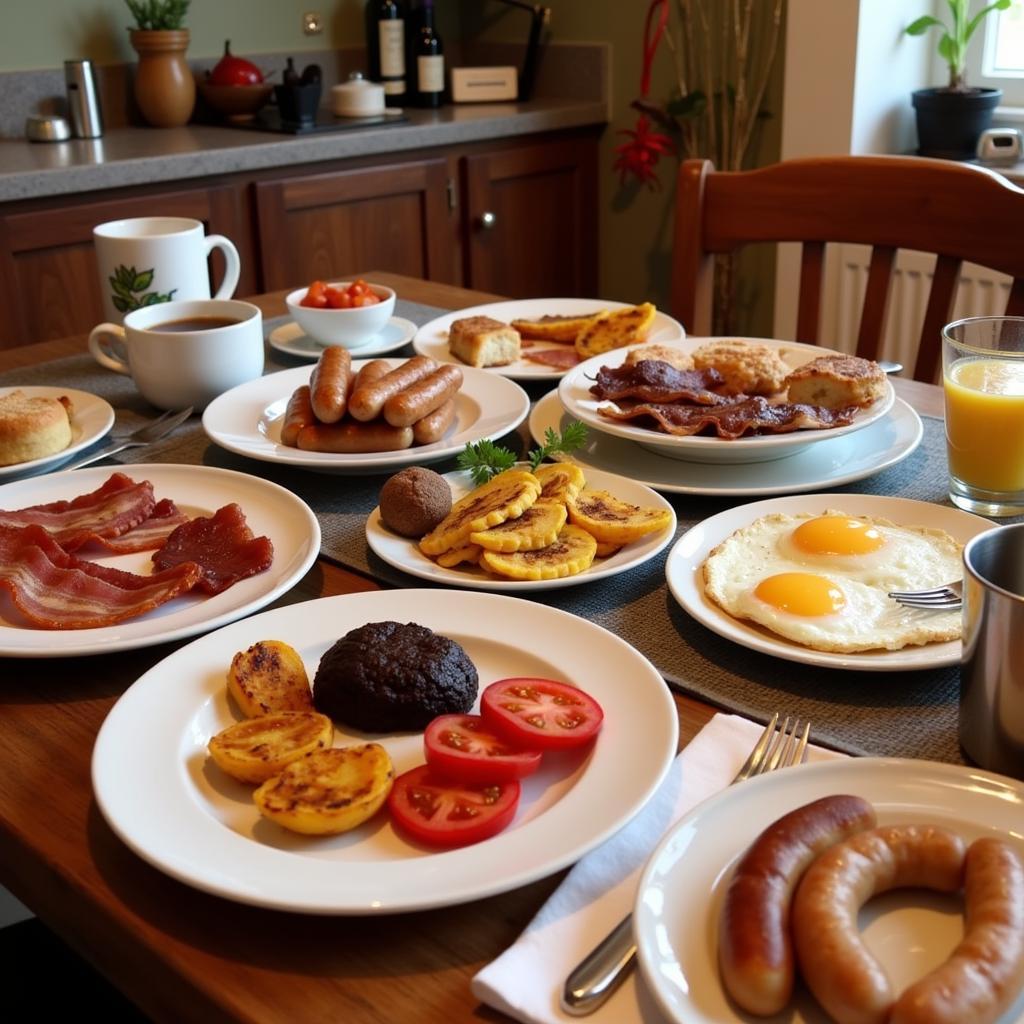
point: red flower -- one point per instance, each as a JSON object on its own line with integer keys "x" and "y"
{"x": 638, "y": 156}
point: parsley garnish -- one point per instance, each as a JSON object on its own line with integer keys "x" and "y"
{"x": 485, "y": 459}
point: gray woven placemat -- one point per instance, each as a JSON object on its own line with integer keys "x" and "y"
{"x": 906, "y": 714}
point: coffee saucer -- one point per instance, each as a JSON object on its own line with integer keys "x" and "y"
{"x": 292, "y": 340}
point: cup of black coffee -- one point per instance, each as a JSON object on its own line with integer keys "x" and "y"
{"x": 184, "y": 353}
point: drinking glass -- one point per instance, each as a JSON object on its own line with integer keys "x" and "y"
{"x": 983, "y": 381}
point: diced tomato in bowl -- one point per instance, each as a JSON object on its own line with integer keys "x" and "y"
{"x": 347, "y": 313}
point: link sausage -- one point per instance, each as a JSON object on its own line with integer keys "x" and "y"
{"x": 350, "y": 438}
{"x": 432, "y": 427}
{"x": 412, "y": 404}
{"x": 755, "y": 951}
{"x": 329, "y": 384}
{"x": 366, "y": 403}
{"x": 298, "y": 414}
{"x": 373, "y": 370}
{"x": 835, "y": 963}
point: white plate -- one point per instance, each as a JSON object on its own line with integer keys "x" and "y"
{"x": 432, "y": 339}
{"x": 188, "y": 820}
{"x": 682, "y": 888}
{"x": 574, "y": 392}
{"x": 686, "y": 581}
{"x": 292, "y": 340}
{"x": 199, "y": 490}
{"x": 91, "y": 419}
{"x": 248, "y": 419}
{"x": 404, "y": 554}
{"x": 829, "y": 463}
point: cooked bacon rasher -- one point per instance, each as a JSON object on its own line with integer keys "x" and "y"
{"x": 652, "y": 380}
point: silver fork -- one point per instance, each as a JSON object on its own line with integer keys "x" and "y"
{"x": 947, "y": 598}
{"x": 605, "y": 967}
{"x": 149, "y": 433}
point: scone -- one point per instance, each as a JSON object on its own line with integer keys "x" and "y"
{"x": 32, "y": 427}
{"x": 481, "y": 341}
{"x": 836, "y": 381}
{"x": 748, "y": 368}
{"x": 663, "y": 353}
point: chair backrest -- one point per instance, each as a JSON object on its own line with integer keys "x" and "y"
{"x": 960, "y": 212}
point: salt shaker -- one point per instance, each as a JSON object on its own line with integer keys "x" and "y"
{"x": 83, "y": 99}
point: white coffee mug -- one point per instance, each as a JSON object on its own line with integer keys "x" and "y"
{"x": 184, "y": 353}
{"x": 146, "y": 260}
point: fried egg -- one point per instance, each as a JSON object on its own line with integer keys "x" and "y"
{"x": 823, "y": 580}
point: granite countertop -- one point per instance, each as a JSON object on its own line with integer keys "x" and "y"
{"x": 137, "y": 156}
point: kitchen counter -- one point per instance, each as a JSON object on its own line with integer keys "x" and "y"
{"x": 136, "y": 156}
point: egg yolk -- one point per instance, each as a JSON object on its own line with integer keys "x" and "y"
{"x": 801, "y": 593}
{"x": 837, "y": 535}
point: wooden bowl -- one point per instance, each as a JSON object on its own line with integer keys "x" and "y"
{"x": 236, "y": 102}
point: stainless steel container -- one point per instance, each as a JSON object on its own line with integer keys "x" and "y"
{"x": 992, "y": 669}
{"x": 47, "y": 128}
{"x": 83, "y": 99}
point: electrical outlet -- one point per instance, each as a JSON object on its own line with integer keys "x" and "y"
{"x": 312, "y": 23}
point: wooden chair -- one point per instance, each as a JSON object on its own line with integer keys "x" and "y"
{"x": 958, "y": 211}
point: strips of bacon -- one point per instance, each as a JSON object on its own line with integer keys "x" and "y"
{"x": 652, "y": 380}
{"x": 222, "y": 544}
{"x": 557, "y": 358}
{"x": 150, "y": 533}
{"x": 57, "y": 590}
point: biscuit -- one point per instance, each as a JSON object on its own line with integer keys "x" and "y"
{"x": 32, "y": 427}
{"x": 663, "y": 353}
{"x": 748, "y": 368}
{"x": 482, "y": 341}
{"x": 836, "y": 381}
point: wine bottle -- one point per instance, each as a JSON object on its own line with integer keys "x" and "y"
{"x": 385, "y": 47}
{"x": 429, "y": 52}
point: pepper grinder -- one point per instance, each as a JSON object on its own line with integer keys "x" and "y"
{"x": 83, "y": 99}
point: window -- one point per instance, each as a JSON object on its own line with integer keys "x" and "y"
{"x": 999, "y": 61}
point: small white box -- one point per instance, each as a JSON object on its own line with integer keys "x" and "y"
{"x": 484, "y": 85}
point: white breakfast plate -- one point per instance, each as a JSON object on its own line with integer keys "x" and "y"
{"x": 404, "y": 554}
{"x": 432, "y": 338}
{"x": 686, "y": 580}
{"x": 575, "y": 396}
{"x": 681, "y": 891}
{"x": 187, "y": 819}
{"x": 199, "y": 490}
{"x": 829, "y": 463}
{"x": 248, "y": 419}
{"x": 292, "y": 340}
{"x": 91, "y": 419}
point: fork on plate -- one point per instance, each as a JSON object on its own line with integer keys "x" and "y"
{"x": 947, "y": 598}
{"x": 601, "y": 972}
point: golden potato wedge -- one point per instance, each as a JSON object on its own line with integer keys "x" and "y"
{"x": 269, "y": 677}
{"x": 328, "y": 791}
{"x": 259, "y": 748}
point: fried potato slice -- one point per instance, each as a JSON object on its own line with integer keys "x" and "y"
{"x": 564, "y": 329}
{"x": 536, "y": 528}
{"x": 269, "y": 677}
{"x": 605, "y": 550}
{"x": 469, "y": 553}
{"x": 616, "y": 329}
{"x": 559, "y": 481}
{"x": 612, "y": 521}
{"x": 504, "y": 496}
{"x": 572, "y": 552}
{"x": 328, "y": 791}
{"x": 258, "y": 748}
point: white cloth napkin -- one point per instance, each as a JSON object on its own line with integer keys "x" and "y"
{"x": 526, "y": 980}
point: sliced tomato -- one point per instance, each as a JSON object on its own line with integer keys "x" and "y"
{"x": 541, "y": 713}
{"x": 463, "y": 747}
{"x": 439, "y": 812}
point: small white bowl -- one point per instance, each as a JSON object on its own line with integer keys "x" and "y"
{"x": 349, "y": 328}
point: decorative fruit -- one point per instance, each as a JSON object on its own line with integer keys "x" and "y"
{"x": 232, "y": 70}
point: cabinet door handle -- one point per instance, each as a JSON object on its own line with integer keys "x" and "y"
{"x": 487, "y": 220}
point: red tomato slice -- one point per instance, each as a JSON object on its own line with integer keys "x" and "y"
{"x": 541, "y": 713}
{"x": 462, "y": 747}
{"x": 438, "y": 812}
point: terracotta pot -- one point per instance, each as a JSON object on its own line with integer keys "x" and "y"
{"x": 165, "y": 89}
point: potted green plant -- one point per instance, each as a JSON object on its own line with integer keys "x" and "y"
{"x": 165, "y": 89}
{"x": 950, "y": 118}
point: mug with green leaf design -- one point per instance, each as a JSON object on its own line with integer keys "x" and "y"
{"x": 146, "y": 260}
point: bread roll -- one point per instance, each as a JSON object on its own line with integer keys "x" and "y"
{"x": 32, "y": 427}
{"x": 481, "y": 341}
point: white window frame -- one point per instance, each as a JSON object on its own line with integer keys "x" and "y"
{"x": 981, "y": 58}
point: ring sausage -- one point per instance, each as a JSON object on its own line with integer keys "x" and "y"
{"x": 835, "y": 963}
{"x": 986, "y": 970}
{"x": 366, "y": 403}
{"x": 329, "y": 384}
{"x": 369, "y": 372}
{"x": 350, "y": 438}
{"x": 298, "y": 414}
{"x": 755, "y": 951}
{"x": 412, "y": 404}
{"x": 432, "y": 427}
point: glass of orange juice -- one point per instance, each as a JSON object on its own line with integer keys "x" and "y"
{"x": 983, "y": 381}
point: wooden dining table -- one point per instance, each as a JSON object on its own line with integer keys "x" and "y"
{"x": 183, "y": 955}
